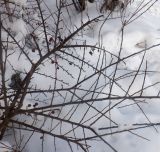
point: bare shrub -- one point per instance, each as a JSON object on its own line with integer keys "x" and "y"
{"x": 54, "y": 84}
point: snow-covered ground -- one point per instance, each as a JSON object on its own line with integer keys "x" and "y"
{"x": 139, "y": 34}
